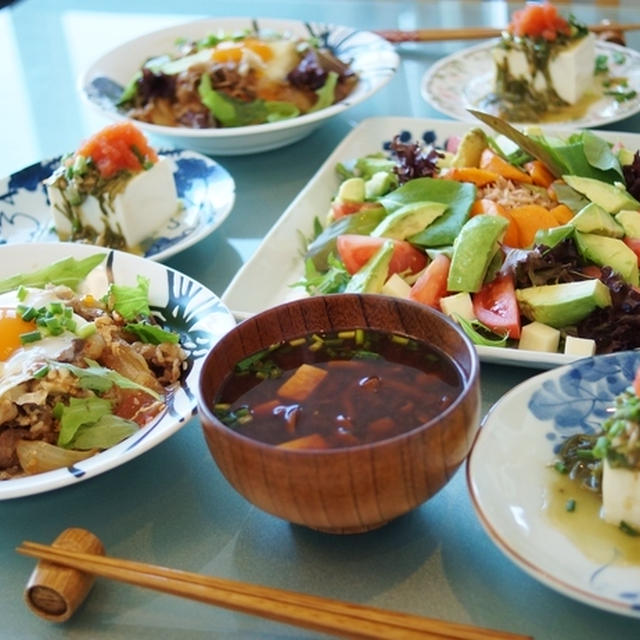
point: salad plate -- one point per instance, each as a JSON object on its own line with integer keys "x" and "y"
{"x": 465, "y": 78}
{"x": 185, "y": 307}
{"x": 205, "y": 189}
{"x": 268, "y": 277}
{"x": 513, "y": 494}
{"x": 370, "y": 56}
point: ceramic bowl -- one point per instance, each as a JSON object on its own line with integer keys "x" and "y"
{"x": 369, "y": 55}
{"x": 356, "y": 488}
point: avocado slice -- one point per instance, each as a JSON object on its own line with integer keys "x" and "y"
{"x": 371, "y": 277}
{"x": 553, "y": 236}
{"x": 564, "y": 304}
{"x": 630, "y": 222}
{"x": 594, "y": 219}
{"x": 471, "y": 146}
{"x": 473, "y": 250}
{"x": 409, "y": 220}
{"x": 351, "y": 190}
{"x": 379, "y": 183}
{"x": 610, "y": 252}
{"x": 611, "y": 197}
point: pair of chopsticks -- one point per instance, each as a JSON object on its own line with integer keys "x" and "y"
{"x": 473, "y": 33}
{"x": 310, "y": 612}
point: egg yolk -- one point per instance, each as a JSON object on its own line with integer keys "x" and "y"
{"x": 11, "y": 326}
{"x": 232, "y": 51}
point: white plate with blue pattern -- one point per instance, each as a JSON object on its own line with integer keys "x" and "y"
{"x": 182, "y": 305}
{"x": 205, "y": 188}
{"x": 368, "y": 54}
{"x": 510, "y": 476}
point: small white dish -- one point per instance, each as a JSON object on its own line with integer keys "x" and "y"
{"x": 205, "y": 189}
{"x": 186, "y": 306}
{"x": 509, "y": 478}
{"x": 464, "y": 79}
{"x": 266, "y": 279}
{"x": 369, "y": 55}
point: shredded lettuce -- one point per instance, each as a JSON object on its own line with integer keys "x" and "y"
{"x": 151, "y": 334}
{"x": 69, "y": 272}
{"x": 129, "y": 302}
{"x": 101, "y": 379}
{"x": 78, "y": 412}
{"x": 105, "y": 433}
{"x": 326, "y": 93}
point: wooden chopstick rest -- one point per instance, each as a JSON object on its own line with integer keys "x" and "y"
{"x": 55, "y": 592}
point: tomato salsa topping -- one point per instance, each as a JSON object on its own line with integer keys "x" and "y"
{"x": 117, "y": 147}
{"x": 539, "y": 21}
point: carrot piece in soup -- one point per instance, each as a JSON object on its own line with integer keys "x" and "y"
{"x": 302, "y": 383}
{"x": 491, "y": 161}
{"x": 312, "y": 441}
{"x": 118, "y": 147}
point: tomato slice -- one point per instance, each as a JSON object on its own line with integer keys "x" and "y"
{"x": 431, "y": 285}
{"x": 355, "y": 251}
{"x": 347, "y": 207}
{"x": 634, "y": 245}
{"x": 496, "y": 306}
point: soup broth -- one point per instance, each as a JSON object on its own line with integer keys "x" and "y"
{"x": 337, "y": 390}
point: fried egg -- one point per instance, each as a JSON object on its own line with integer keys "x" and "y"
{"x": 19, "y": 360}
{"x": 274, "y": 58}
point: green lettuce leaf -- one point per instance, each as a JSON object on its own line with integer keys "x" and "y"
{"x": 458, "y": 196}
{"x": 326, "y": 93}
{"x": 151, "y": 334}
{"x": 105, "y": 433}
{"x": 80, "y": 411}
{"x": 101, "y": 379}
{"x": 69, "y": 272}
{"x": 129, "y": 302}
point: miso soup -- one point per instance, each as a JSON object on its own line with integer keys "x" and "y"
{"x": 337, "y": 390}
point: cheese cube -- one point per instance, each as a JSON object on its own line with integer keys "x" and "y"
{"x": 396, "y": 286}
{"x": 148, "y": 200}
{"x": 458, "y": 303}
{"x": 620, "y": 491}
{"x": 579, "y": 346}
{"x": 539, "y": 337}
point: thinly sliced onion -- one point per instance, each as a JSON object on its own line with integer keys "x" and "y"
{"x": 36, "y": 456}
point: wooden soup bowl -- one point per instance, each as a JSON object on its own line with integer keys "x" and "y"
{"x": 357, "y": 488}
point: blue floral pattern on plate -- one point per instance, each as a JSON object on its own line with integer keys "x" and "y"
{"x": 205, "y": 189}
{"x": 180, "y": 303}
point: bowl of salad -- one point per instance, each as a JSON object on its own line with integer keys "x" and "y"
{"x": 234, "y": 86}
{"x": 99, "y": 354}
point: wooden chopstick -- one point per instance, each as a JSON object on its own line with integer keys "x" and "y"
{"x": 348, "y": 620}
{"x": 475, "y": 33}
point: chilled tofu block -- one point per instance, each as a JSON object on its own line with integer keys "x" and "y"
{"x": 148, "y": 200}
{"x": 569, "y": 69}
{"x": 620, "y": 495}
{"x": 579, "y": 346}
{"x": 539, "y": 337}
{"x": 458, "y": 304}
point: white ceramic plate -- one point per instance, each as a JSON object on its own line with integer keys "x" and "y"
{"x": 370, "y": 56}
{"x": 265, "y": 279}
{"x": 509, "y": 478}
{"x": 186, "y": 307}
{"x": 464, "y": 79}
{"x": 205, "y": 188}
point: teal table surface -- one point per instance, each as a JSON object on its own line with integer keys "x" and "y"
{"x": 171, "y": 506}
